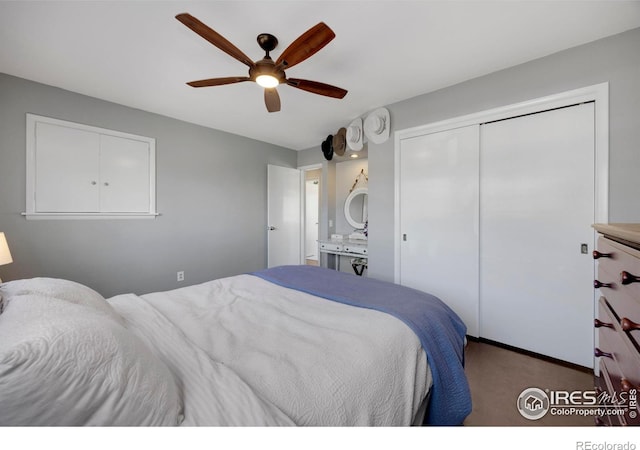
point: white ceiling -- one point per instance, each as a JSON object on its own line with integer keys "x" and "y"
{"x": 137, "y": 54}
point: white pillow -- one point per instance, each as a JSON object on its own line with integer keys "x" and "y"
{"x": 61, "y": 289}
{"x": 67, "y": 364}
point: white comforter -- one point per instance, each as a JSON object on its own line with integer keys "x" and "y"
{"x": 249, "y": 352}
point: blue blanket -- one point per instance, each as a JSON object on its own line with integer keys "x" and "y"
{"x": 440, "y": 330}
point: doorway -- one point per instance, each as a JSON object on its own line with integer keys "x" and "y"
{"x": 311, "y": 215}
{"x": 283, "y": 216}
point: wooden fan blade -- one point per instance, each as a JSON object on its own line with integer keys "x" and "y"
{"x": 272, "y": 99}
{"x": 317, "y": 87}
{"x": 308, "y": 44}
{"x": 217, "y": 81}
{"x": 215, "y": 38}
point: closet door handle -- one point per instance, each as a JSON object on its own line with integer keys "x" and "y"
{"x": 599, "y": 323}
{"x": 629, "y": 325}
{"x": 628, "y": 278}
{"x": 598, "y": 284}
{"x": 598, "y": 255}
{"x": 597, "y": 352}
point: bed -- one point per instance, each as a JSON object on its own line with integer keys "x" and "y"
{"x": 287, "y": 346}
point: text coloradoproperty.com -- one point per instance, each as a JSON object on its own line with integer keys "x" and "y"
{"x": 573, "y": 411}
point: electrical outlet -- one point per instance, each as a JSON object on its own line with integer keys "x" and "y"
{"x": 181, "y": 275}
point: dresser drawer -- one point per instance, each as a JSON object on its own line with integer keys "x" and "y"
{"x": 619, "y": 359}
{"x": 357, "y": 249}
{"x": 331, "y": 247}
{"x": 618, "y": 352}
{"x": 611, "y": 344}
{"x": 624, "y": 305}
{"x": 604, "y": 388}
{"x": 621, "y": 259}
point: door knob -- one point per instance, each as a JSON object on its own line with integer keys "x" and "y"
{"x": 272, "y": 228}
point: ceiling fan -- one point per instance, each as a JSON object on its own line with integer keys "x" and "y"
{"x": 266, "y": 72}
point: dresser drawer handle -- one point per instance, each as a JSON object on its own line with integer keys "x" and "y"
{"x": 628, "y": 278}
{"x": 598, "y": 284}
{"x": 629, "y": 325}
{"x": 626, "y": 385}
{"x": 599, "y": 352}
{"x": 599, "y": 323}
{"x": 598, "y": 255}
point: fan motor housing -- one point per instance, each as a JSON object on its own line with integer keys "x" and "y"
{"x": 267, "y": 42}
{"x": 266, "y": 66}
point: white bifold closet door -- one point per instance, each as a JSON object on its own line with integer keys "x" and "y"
{"x": 536, "y": 211}
{"x": 439, "y": 218}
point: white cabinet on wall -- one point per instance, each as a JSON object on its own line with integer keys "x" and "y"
{"x": 78, "y": 171}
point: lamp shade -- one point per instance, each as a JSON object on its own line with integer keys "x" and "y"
{"x": 5, "y": 254}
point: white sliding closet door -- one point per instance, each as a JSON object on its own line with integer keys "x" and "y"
{"x": 536, "y": 211}
{"x": 439, "y": 218}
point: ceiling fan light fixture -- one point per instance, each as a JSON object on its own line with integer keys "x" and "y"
{"x": 267, "y": 81}
{"x": 268, "y": 73}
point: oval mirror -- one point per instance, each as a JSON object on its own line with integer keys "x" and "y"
{"x": 355, "y": 207}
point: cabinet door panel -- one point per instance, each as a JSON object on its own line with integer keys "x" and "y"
{"x": 124, "y": 175}
{"x": 439, "y": 218}
{"x": 66, "y": 169}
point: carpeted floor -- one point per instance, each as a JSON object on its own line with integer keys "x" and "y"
{"x": 497, "y": 376}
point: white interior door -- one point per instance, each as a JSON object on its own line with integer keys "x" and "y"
{"x": 311, "y": 218}
{"x": 439, "y": 218}
{"x": 284, "y": 218}
{"x": 536, "y": 211}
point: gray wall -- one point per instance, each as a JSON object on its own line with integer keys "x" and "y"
{"x": 211, "y": 193}
{"x": 203, "y": 175}
{"x": 615, "y": 60}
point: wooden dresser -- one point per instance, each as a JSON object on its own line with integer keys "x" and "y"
{"x": 618, "y": 322}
